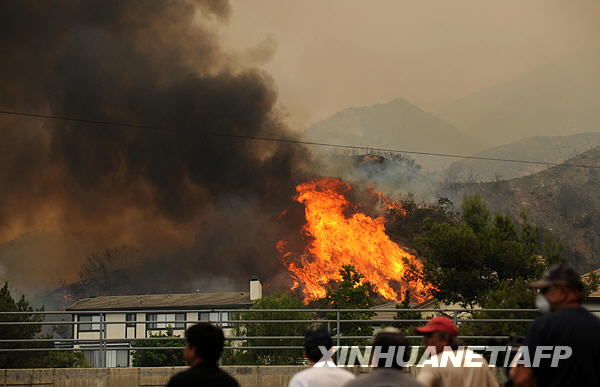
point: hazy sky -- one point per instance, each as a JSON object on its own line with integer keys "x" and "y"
{"x": 332, "y": 54}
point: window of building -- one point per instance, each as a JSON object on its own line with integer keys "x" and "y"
{"x": 130, "y": 318}
{"x": 117, "y": 358}
{"x": 217, "y": 318}
{"x": 114, "y": 358}
{"x": 165, "y": 320}
{"x": 93, "y": 358}
{"x": 93, "y": 326}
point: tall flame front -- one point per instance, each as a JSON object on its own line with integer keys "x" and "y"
{"x": 336, "y": 239}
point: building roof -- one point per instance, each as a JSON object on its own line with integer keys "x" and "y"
{"x": 165, "y": 301}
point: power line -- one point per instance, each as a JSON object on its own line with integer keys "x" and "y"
{"x": 401, "y": 151}
{"x": 297, "y": 142}
{"x": 82, "y": 120}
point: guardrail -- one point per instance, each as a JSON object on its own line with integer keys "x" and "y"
{"x": 333, "y": 319}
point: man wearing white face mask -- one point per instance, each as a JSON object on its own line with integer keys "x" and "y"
{"x": 565, "y": 323}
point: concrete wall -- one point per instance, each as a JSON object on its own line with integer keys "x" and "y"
{"x": 248, "y": 376}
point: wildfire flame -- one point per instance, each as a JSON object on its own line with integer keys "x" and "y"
{"x": 388, "y": 202}
{"x": 337, "y": 239}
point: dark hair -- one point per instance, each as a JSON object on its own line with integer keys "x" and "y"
{"x": 315, "y": 339}
{"x": 207, "y": 340}
{"x": 385, "y": 340}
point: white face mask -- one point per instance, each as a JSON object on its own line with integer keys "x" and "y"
{"x": 542, "y": 303}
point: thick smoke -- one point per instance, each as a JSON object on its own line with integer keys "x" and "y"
{"x": 209, "y": 202}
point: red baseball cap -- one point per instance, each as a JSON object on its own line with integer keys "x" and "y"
{"x": 439, "y": 324}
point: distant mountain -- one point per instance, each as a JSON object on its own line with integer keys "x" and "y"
{"x": 397, "y": 124}
{"x": 564, "y": 200}
{"x": 558, "y": 99}
{"x": 547, "y": 149}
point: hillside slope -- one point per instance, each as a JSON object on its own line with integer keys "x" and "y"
{"x": 397, "y": 124}
{"x": 563, "y": 200}
{"x": 558, "y": 99}
{"x": 547, "y": 149}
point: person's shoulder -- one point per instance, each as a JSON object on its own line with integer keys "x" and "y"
{"x": 468, "y": 353}
{"x": 406, "y": 380}
{"x": 546, "y": 319}
{"x": 577, "y": 314}
{"x": 226, "y": 378}
{"x": 358, "y": 382}
{"x": 299, "y": 376}
{"x": 180, "y": 379}
{"x": 344, "y": 372}
{"x": 589, "y": 316}
{"x": 340, "y": 372}
{"x": 386, "y": 377}
{"x": 361, "y": 380}
{"x": 316, "y": 372}
{"x": 193, "y": 375}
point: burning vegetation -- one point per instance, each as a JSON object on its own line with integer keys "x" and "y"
{"x": 338, "y": 234}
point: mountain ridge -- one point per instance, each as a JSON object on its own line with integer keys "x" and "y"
{"x": 553, "y": 149}
{"x": 397, "y": 124}
{"x": 561, "y": 199}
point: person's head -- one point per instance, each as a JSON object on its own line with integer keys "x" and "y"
{"x": 439, "y": 332}
{"x": 315, "y": 339}
{"x": 391, "y": 338}
{"x": 560, "y": 287}
{"x": 204, "y": 344}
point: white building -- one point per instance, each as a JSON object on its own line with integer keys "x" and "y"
{"x": 139, "y": 316}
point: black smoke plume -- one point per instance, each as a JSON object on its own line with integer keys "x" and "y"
{"x": 207, "y": 205}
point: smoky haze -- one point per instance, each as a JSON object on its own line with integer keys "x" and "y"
{"x": 175, "y": 194}
{"x": 336, "y": 54}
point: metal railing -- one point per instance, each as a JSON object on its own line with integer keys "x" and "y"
{"x": 334, "y": 319}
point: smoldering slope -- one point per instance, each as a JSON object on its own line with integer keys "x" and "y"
{"x": 196, "y": 206}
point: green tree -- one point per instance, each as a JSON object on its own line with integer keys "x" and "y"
{"x": 65, "y": 359}
{"x": 487, "y": 260}
{"x": 31, "y": 359}
{"x": 590, "y": 283}
{"x": 243, "y": 355}
{"x": 352, "y": 292}
{"x": 509, "y": 294}
{"x": 18, "y": 359}
{"x": 472, "y": 256}
{"x": 159, "y": 358}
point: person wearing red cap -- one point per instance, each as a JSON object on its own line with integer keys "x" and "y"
{"x": 450, "y": 365}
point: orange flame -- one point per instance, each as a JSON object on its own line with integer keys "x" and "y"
{"x": 393, "y": 205}
{"x": 337, "y": 239}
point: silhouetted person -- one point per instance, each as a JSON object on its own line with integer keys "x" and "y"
{"x": 204, "y": 344}
{"x": 323, "y": 373}
{"x": 439, "y": 336}
{"x": 564, "y": 323}
{"x": 388, "y": 373}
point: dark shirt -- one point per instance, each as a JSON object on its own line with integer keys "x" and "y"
{"x": 575, "y": 327}
{"x": 203, "y": 375}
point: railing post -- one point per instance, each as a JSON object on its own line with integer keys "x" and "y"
{"x": 338, "y": 327}
{"x": 103, "y": 340}
{"x": 337, "y": 353}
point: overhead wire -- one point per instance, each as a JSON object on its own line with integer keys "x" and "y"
{"x": 294, "y": 141}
